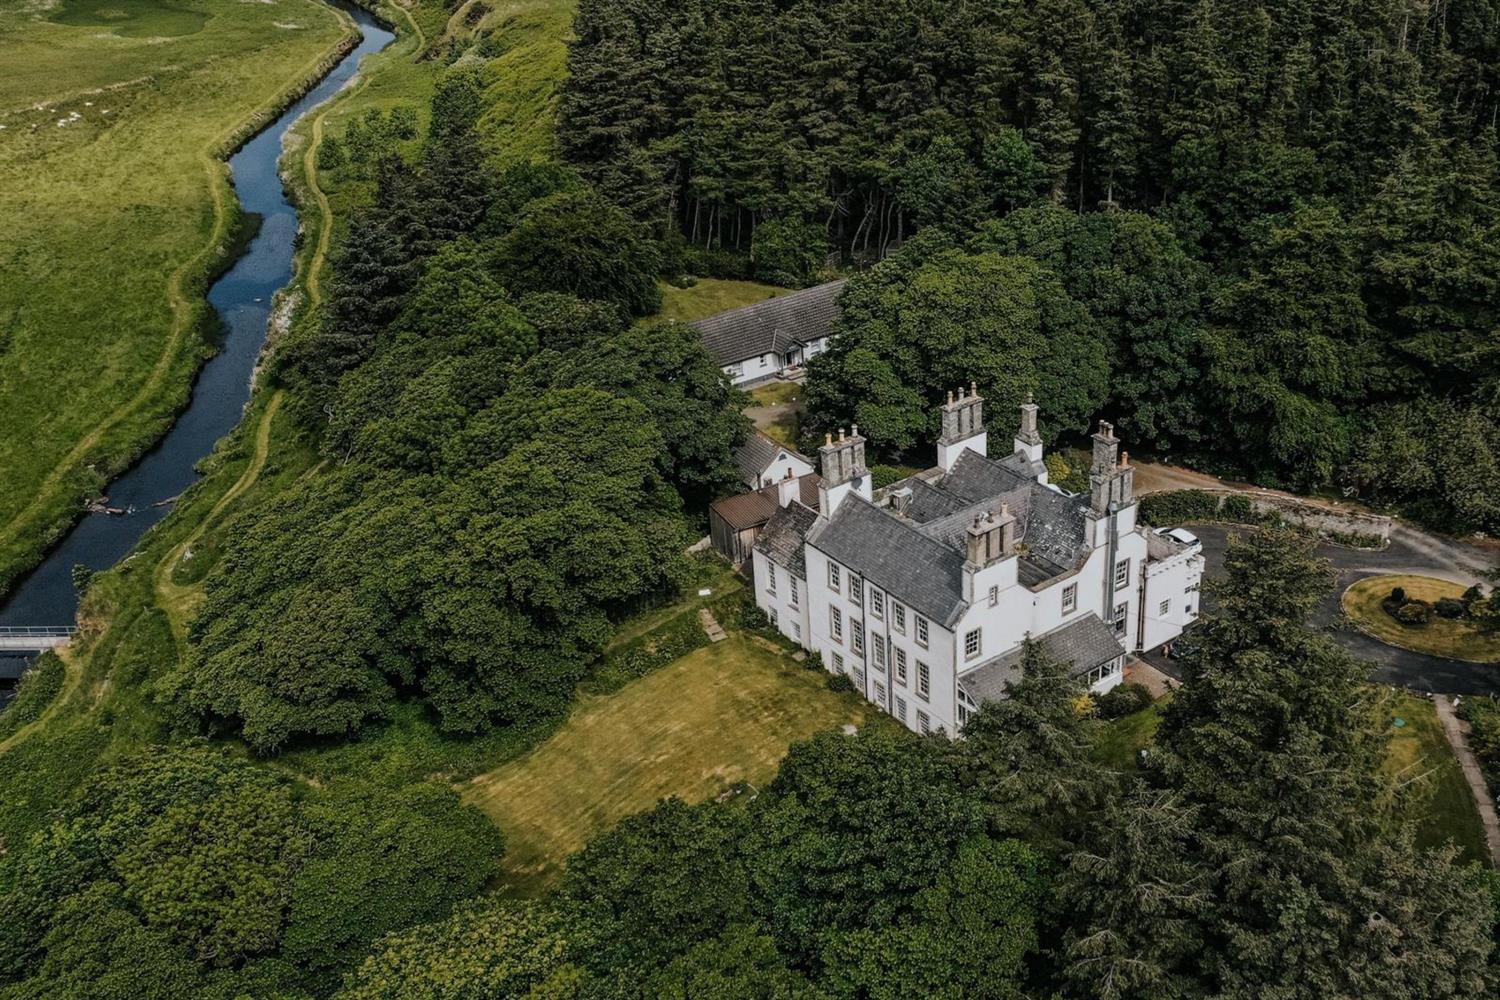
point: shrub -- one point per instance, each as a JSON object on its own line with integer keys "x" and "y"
{"x": 882, "y": 476}
{"x": 1238, "y": 509}
{"x": 1126, "y": 699}
{"x": 1474, "y": 593}
{"x": 1398, "y": 596}
{"x": 1164, "y": 509}
{"x": 1414, "y": 613}
{"x": 1451, "y": 608}
{"x": 840, "y": 682}
{"x": 1483, "y": 714}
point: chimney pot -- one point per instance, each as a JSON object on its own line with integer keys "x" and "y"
{"x": 950, "y": 397}
{"x": 828, "y": 438}
{"x": 841, "y": 434}
{"x": 1124, "y": 459}
{"x": 854, "y": 430}
{"x": 973, "y": 388}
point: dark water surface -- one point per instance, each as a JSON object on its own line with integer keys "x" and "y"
{"x": 242, "y": 298}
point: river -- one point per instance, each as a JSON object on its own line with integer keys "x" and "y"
{"x": 242, "y": 297}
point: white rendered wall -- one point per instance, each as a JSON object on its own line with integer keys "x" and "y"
{"x": 1176, "y": 581}
{"x": 777, "y": 470}
{"x": 787, "y": 614}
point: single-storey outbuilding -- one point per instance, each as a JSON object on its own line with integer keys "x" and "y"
{"x": 768, "y": 338}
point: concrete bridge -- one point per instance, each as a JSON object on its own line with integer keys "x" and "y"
{"x": 29, "y": 639}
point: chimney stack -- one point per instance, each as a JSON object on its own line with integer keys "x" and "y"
{"x": 962, "y": 426}
{"x": 788, "y": 490}
{"x": 990, "y": 538}
{"x": 843, "y": 468}
{"x": 1111, "y": 477}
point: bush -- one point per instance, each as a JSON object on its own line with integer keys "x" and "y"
{"x": 1414, "y": 613}
{"x": 1483, "y": 714}
{"x": 1164, "y": 509}
{"x": 882, "y": 476}
{"x": 1474, "y": 593}
{"x": 1398, "y": 596}
{"x": 1126, "y": 699}
{"x": 1238, "y": 509}
{"x": 1451, "y": 608}
{"x": 840, "y": 682}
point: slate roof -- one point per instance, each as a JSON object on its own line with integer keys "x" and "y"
{"x": 782, "y": 540}
{"x": 749, "y": 510}
{"x": 1083, "y": 644}
{"x": 772, "y": 326}
{"x": 758, "y": 452}
{"x": 918, "y": 571}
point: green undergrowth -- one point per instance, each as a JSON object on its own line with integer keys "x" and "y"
{"x": 39, "y": 685}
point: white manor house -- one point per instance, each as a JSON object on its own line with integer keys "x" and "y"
{"x": 925, "y": 591}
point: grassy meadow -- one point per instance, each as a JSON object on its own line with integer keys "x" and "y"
{"x": 113, "y": 119}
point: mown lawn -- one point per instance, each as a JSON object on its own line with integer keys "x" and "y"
{"x": 723, "y": 714}
{"x": 1419, "y": 752}
{"x": 709, "y": 297}
{"x": 1122, "y": 739}
{"x": 1441, "y": 637}
{"x": 115, "y": 210}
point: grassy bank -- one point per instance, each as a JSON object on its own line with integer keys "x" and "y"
{"x": 118, "y": 210}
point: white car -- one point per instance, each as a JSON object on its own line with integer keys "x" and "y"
{"x": 1181, "y": 535}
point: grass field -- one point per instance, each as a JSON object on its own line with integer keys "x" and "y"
{"x": 723, "y": 714}
{"x": 776, "y": 409}
{"x": 709, "y": 297}
{"x": 1124, "y": 738}
{"x": 1418, "y": 750}
{"x": 1454, "y": 639}
{"x": 113, "y": 117}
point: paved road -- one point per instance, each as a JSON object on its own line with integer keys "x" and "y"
{"x": 1410, "y": 551}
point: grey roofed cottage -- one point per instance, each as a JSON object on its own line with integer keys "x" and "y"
{"x": 763, "y": 339}
{"x": 763, "y": 460}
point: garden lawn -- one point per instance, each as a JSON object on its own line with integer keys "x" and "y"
{"x": 1122, "y": 739}
{"x": 115, "y": 210}
{"x": 709, "y": 297}
{"x": 723, "y": 714}
{"x": 1441, "y": 637}
{"x": 1419, "y": 748}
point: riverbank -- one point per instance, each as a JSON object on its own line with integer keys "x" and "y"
{"x": 105, "y": 355}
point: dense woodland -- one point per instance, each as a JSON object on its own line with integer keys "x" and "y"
{"x": 1262, "y": 236}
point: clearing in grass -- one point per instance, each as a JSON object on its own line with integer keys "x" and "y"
{"x": 709, "y": 297}
{"x": 721, "y": 715}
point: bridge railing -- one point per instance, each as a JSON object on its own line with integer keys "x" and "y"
{"x": 37, "y": 631}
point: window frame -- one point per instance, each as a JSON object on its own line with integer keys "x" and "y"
{"x": 923, "y": 635}
{"x": 898, "y": 617}
{"x": 792, "y": 591}
{"x": 857, "y": 636}
{"x": 924, "y": 681}
{"x": 973, "y": 644}
{"x": 835, "y": 624}
{"x": 900, "y": 666}
{"x": 1122, "y": 573}
{"x": 770, "y": 578}
{"x": 1070, "y": 598}
{"x": 877, "y": 604}
{"x": 835, "y": 582}
{"x": 1122, "y": 618}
